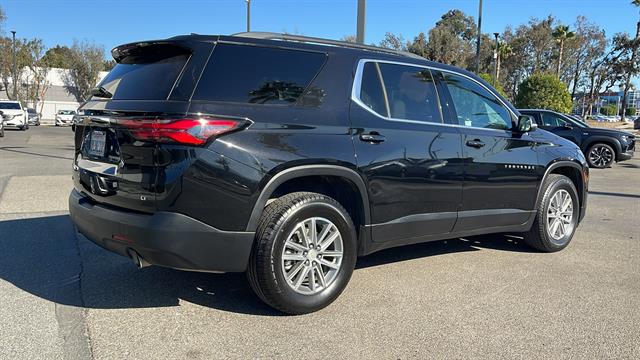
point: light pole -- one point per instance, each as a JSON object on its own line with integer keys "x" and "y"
{"x": 362, "y": 4}
{"x": 15, "y": 71}
{"x": 479, "y": 37}
{"x": 248, "y": 15}
{"x": 495, "y": 57}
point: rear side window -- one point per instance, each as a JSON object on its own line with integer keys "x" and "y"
{"x": 412, "y": 93}
{"x": 149, "y": 74}
{"x": 371, "y": 92}
{"x": 257, "y": 75}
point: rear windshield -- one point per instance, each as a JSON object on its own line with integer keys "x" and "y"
{"x": 9, "y": 106}
{"x": 258, "y": 75}
{"x": 148, "y": 75}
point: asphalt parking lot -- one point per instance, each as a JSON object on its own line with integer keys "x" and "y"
{"x": 481, "y": 297}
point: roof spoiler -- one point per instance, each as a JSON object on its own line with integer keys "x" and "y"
{"x": 149, "y": 48}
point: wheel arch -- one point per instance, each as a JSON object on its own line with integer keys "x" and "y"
{"x": 611, "y": 141}
{"x": 572, "y": 170}
{"x": 304, "y": 178}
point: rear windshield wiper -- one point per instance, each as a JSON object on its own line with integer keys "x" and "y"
{"x": 100, "y": 91}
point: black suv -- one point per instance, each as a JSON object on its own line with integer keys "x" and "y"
{"x": 600, "y": 146}
{"x": 288, "y": 157}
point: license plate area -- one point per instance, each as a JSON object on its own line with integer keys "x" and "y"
{"x": 101, "y": 144}
{"x": 98, "y": 141}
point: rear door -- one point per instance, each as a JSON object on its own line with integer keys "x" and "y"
{"x": 500, "y": 165}
{"x": 113, "y": 163}
{"x": 411, "y": 160}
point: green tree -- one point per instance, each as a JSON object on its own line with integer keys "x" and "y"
{"x": 544, "y": 91}
{"x": 58, "y": 57}
{"x": 451, "y": 40}
{"x": 561, "y": 34}
{"x": 608, "y": 110}
{"x": 504, "y": 51}
{"x": 393, "y": 41}
{"x": 491, "y": 80}
{"x": 419, "y": 45}
{"x": 87, "y": 60}
{"x": 631, "y": 111}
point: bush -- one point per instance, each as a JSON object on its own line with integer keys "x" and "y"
{"x": 608, "y": 110}
{"x": 544, "y": 91}
{"x": 631, "y": 112}
{"x": 489, "y": 78}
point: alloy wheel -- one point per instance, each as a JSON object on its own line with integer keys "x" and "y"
{"x": 601, "y": 156}
{"x": 312, "y": 255}
{"x": 560, "y": 216}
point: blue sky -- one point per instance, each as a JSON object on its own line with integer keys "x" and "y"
{"x": 119, "y": 21}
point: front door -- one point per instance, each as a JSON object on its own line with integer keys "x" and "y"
{"x": 561, "y": 127}
{"x": 411, "y": 161}
{"x": 500, "y": 165}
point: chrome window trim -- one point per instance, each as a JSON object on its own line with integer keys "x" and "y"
{"x": 357, "y": 83}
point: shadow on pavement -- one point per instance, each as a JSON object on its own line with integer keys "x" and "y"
{"x": 41, "y": 256}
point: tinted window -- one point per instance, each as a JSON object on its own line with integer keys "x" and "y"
{"x": 371, "y": 93}
{"x": 552, "y": 120}
{"x": 9, "y": 106}
{"x": 258, "y": 75}
{"x": 475, "y": 106}
{"x": 411, "y": 92}
{"x": 149, "y": 76}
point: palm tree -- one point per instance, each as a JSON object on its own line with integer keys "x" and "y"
{"x": 504, "y": 51}
{"x": 561, "y": 34}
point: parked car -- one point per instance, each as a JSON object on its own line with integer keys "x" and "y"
{"x": 287, "y": 157}
{"x": 601, "y": 146}
{"x": 14, "y": 114}
{"x": 636, "y": 123}
{"x": 33, "y": 117}
{"x": 1, "y": 125}
{"x": 64, "y": 117}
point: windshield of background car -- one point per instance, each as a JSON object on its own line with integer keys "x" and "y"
{"x": 66, "y": 112}
{"x": 10, "y": 106}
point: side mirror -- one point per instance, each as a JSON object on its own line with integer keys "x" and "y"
{"x": 526, "y": 123}
{"x": 567, "y": 126}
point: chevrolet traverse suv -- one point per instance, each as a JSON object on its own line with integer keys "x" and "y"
{"x": 287, "y": 157}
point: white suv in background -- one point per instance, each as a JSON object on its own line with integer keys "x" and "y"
{"x": 64, "y": 117}
{"x": 13, "y": 114}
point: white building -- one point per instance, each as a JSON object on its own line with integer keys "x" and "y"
{"x": 58, "y": 95}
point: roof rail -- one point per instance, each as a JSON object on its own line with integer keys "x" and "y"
{"x": 317, "y": 40}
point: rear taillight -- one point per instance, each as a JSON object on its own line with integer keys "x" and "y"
{"x": 191, "y": 131}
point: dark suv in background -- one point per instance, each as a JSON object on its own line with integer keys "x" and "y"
{"x": 600, "y": 146}
{"x": 288, "y": 157}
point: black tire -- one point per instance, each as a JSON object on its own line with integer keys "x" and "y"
{"x": 600, "y": 156}
{"x": 539, "y": 236}
{"x": 265, "y": 271}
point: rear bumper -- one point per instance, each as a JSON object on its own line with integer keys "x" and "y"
{"x": 164, "y": 238}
